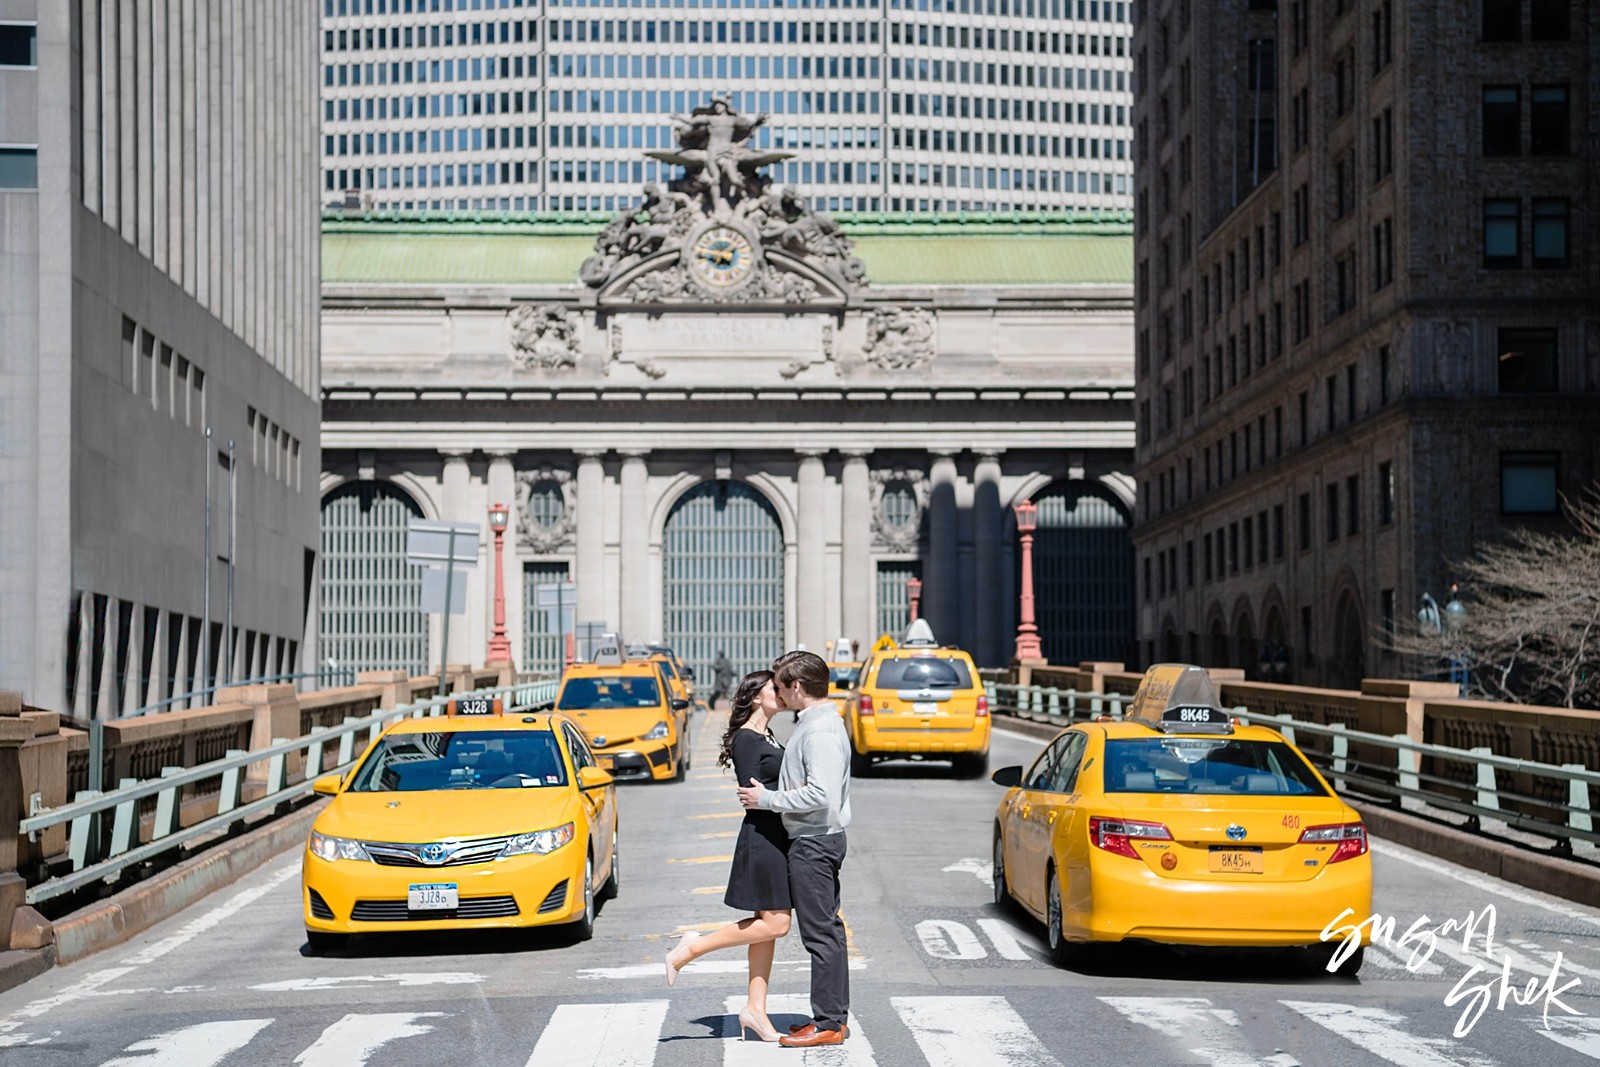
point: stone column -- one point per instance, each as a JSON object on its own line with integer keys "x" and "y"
{"x": 456, "y": 506}
{"x": 502, "y": 487}
{"x": 811, "y": 551}
{"x": 986, "y": 550}
{"x": 635, "y": 548}
{"x": 591, "y": 536}
{"x": 855, "y": 544}
{"x": 940, "y": 597}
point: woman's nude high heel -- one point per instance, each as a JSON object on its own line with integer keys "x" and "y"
{"x": 673, "y": 968}
{"x": 749, "y": 1021}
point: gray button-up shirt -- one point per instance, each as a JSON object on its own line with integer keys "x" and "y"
{"x": 813, "y": 791}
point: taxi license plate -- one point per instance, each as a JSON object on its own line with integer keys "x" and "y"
{"x": 925, "y": 708}
{"x": 606, "y": 761}
{"x": 434, "y": 896}
{"x": 1237, "y": 861}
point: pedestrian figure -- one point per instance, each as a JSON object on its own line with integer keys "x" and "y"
{"x": 813, "y": 794}
{"x": 722, "y": 677}
{"x": 759, "y": 880}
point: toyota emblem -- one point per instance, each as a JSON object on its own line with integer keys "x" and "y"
{"x": 600, "y": 740}
{"x": 1236, "y": 832}
{"x": 434, "y": 853}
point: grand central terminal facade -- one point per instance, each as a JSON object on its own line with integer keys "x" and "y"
{"x": 731, "y": 422}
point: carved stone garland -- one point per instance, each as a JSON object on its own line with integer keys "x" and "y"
{"x": 551, "y": 538}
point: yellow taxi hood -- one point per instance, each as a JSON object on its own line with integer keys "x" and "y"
{"x": 439, "y": 815}
{"x": 615, "y": 724}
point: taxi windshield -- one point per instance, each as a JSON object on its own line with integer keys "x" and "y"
{"x": 1210, "y": 766}
{"x": 924, "y": 672}
{"x": 616, "y": 691}
{"x": 845, "y": 676}
{"x": 466, "y": 759}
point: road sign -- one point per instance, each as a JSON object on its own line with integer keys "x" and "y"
{"x": 589, "y": 635}
{"x": 434, "y": 583}
{"x": 552, "y": 596}
{"x": 429, "y": 542}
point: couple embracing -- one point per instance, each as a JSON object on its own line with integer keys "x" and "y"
{"x": 790, "y": 846}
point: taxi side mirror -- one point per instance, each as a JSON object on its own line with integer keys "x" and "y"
{"x": 327, "y": 785}
{"x": 679, "y": 705}
{"x": 688, "y": 672}
{"x": 1007, "y": 776}
{"x": 593, "y": 778}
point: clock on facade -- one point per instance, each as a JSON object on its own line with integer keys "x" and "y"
{"x": 722, "y": 257}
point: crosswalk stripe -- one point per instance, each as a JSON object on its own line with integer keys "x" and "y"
{"x": 1205, "y": 1031}
{"x": 601, "y": 1035}
{"x": 1382, "y": 1033}
{"x": 202, "y": 1045}
{"x": 1580, "y": 1035}
{"x": 971, "y": 1032}
{"x": 352, "y": 1040}
{"x": 856, "y": 1051}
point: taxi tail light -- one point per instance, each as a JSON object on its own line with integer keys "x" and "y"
{"x": 1349, "y": 839}
{"x": 983, "y": 707}
{"x": 866, "y": 704}
{"x": 1118, "y": 835}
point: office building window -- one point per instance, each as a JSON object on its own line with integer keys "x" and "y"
{"x": 1502, "y": 20}
{"x": 1205, "y": 554}
{"x": 1386, "y": 613}
{"x": 19, "y": 168}
{"x": 1385, "y": 494}
{"x": 1331, "y": 494}
{"x": 1527, "y": 361}
{"x": 1277, "y": 531}
{"x": 1552, "y": 20}
{"x": 1383, "y": 374}
{"x": 1305, "y": 635}
{"x": 1352, "y": 505}
{"x": 1502, "y": 228}
{"x": 1305, "y": 521}
{"x": 1550, "y": 234}
{"x": 1528, "y": 483}
{"x": 1548, "y": 112}
{"x": 19, "y": 44}
{"x": 1502, "y": 120}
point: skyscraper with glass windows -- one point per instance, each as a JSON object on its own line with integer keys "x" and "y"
{"x": 932, "y": 105}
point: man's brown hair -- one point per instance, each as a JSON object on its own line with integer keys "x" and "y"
{"x": 807, "y": 668}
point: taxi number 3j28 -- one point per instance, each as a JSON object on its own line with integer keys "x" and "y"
{"x": 473, "y": 706}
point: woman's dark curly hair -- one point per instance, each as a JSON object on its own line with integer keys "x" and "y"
{"x": 744, "y": 703}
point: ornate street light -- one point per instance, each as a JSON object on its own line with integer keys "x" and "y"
{"x": 1028, "y": 647}
{"x": 914, "y": 592}
{"x": 1455, "y": 615}
{"x": 499, "y": 644}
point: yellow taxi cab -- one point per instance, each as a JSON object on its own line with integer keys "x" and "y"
{"x": 474, "y": 819}
{"x": 918, "y": 700}
{"x": 844, "y": 668}
{"x": 678, "y": 677}
{"x": 1179, "y": 826}
{"x": 626, "y": 708}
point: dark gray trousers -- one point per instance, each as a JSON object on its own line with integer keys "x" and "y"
{"x": 814, "y": 884}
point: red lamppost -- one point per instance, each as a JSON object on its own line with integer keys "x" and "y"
{"x": 1028, "y": 647}
{"x": 914, "y": 591}
{"x": 499, "y": 645}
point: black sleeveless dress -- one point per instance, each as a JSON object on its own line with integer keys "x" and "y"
{"x": 759, "y": 879}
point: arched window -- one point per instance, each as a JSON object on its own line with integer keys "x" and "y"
{"x": 371, "y": 598}
{"x": 1083, "y": 575}
{"x": 546, "y": 504}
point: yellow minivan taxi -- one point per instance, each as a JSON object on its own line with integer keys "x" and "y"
{"x": 636, "y": 725}
{"x": 1180, "y": 826}
{"x": 478, "y": 819}
{"x": 918, "y": 700}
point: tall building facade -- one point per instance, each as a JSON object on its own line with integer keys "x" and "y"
{"x": 516, "y": 105}
{"x": 160, "y": 247}
{"x": 1368, "y": 339}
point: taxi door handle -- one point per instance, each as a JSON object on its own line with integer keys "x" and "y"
{"x": 1052, "y": 819}
{"x": 1027, "y": 811}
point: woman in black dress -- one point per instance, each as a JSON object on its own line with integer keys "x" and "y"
{"x": 759, "y": 880}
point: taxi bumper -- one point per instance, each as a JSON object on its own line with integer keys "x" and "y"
{"x": 1130, "y": 901}
{"x": 910, "y": 738}
{"x": 640, "y": 761}
{"x": 357, "y": 896}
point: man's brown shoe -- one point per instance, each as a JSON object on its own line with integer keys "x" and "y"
{"x": 808, "y": 1036}
{"x": 795, "y": 1028}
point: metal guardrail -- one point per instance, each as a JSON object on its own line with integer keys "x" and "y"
{"x": 83, "y": 814}
{"x": 1401, "y": 781}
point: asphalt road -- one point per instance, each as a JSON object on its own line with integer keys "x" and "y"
{"x": 940, "y": 976}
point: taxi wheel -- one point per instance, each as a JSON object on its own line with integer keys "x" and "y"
{"x": 970, "y": 765}
{"x": 1315, "y": 960}
{"x": 1075, "y": 954}
{"x": 614, "y": 881}
{"x": 1002, "y": 894}
{"x": 860, "y": 764}
{"x": 582, "y": 929}
{"x": 320, "y": 941}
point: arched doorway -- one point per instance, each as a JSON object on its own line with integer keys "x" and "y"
{"x": 371, "y": 598}
{"x": 1275, "y": 657}
{"x": 1083, "y": 575}
{"x": 1218, "y": 656}
{"x": 1348, "y": 662}
{"x": 722, "y": 560}
{"x": 1245, "y": 652}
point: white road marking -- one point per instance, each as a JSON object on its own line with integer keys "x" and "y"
{"x": 1007, "y": 939}
{"x": 360, "y": 981}
{"x": 204, "y": 1045}
{"x": 149, "y": 954}
{"x": 601, "y": 1035}
{"x": 856, "y": 1051}
{"x": 972, "y": 1032}
{"x": 947, "y": 939}
{"x": 1484, "y": 882}
{"x": 351, "y": 1041}
{"x": 1383, "y": 1034}
{"x": 1580, "y": 1035}
{"x": 1210, "y": 1033}
{"x": 983, "y": 868}
{"x": 1391, "y": 961}
{"x": 653, "y": 970}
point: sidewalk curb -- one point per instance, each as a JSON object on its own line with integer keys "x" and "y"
{"x": 113, "y": 920}
{"x": 20, "y": 965}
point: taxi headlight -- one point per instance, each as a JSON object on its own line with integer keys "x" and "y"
{"x": 337, "y": 848}
{"x": 657, "y": 732}
{"x": 540, "y": 842}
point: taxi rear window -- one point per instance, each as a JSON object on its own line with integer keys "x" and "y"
{"x": 845, "y": 676}
{"x": 466, "y": 759}
{"x": 627, "y": 691}
{"x": 924, "y": 672}
{"x": 1209, "y": 766}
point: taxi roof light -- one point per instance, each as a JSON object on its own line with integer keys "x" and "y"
{"x": 1181, "y": 698}
{"x": 609, "y": 654}
{"x": 918, "y": 635}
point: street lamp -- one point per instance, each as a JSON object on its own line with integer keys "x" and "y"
{"x": 1028, "y": 647}
{"x": 914, "y": 592}
{"x": 1455, "y": 614}
{"x": 499, "y": 645}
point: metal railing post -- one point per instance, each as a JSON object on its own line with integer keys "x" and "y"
{"x": 1341, "y": 755}
{"x": 1408, "y": 780}
{"x": 347, "y": 742}
{"x": 1488, "y": 786}
{"x": 79, "y": 847}
{"x": 1286, "y": 727}
{"x": 168, "y": 808}
{"x": 125, "y": 824}
{"x": 1580, "y": 818}
{"x": 1055, "y": 702}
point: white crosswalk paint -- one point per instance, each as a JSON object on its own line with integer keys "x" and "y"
{"x": 1009, "y": 941}
{"x": 972, "y": 1032}
{"x": 947, "y": 939}
{"x": 1580, "y": 1035}
{"x": 856, "y": 1051}
{"x": 351, "y": 1041}
{"x": 1205, "y": 1031}
{"x": 1391, "y": 961}
{"x": 1384, "y": 1034}
{"x": 359, "y": 981}
{"x": 202, "y": 1045}
{"x": 601, "y": 1035}
{"x": 984, "y": 869}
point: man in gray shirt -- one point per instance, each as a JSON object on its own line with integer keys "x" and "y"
{"x": 813, "y": 796}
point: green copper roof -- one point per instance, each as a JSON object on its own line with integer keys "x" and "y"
{"x": 910, "y": 250}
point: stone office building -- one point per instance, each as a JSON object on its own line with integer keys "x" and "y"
{"x": 733, "y": 426}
